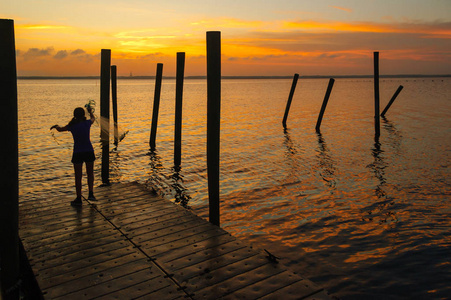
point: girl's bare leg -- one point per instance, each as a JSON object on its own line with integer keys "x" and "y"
{"x": 90, "y": 172}
{"x": 78, "y": 168}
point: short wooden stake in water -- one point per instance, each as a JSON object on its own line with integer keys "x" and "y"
{"x": 290, "y": 98}
{"x": 323, "y": 107}
{"x": 105, "y": 67}
{"x": 114, "y": 102}
{"x": 213, "y": 122}
{"x": 377, "y": 126}
{"x": 178, "y": 108}
{"x": 9, "y": 165}
{"x": 392, "y": 100}
{"x": 156, "y": 107}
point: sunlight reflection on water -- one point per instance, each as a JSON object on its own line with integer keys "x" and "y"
{"x": 358, "y": 216}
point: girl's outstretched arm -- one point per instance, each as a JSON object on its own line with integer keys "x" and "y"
{"x": 91, "y": 114}
{"x": 58, "y": 128}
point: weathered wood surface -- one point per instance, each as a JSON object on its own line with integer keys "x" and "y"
{"x": 132, "y": 244}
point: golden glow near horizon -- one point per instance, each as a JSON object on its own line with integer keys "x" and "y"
{"x": 258, "y": 38}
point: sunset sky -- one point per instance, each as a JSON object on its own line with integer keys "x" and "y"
{"x": 259, "y": 37}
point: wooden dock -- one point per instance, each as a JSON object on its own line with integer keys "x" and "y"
{"x": 132, "y": 244}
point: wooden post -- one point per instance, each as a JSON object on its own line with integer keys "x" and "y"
{"x": 377, "y": 126}
{"x": 9, "y": 165}
{"x": 178, "y": 109}
{"x": 156, "y": 107}
{"x": 290, "y": 98}
{"x": 392, "y": 100}
{"x": 114, "y": 101}
{"x": 105, "y": 66}
{"x": 213, "y": 122}
{"x": 323, "y": 107}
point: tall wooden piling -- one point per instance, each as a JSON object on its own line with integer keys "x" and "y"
{"x": 377, "y": 126}
{"x": 178, "y": 108}
{"x": 156, "y": 107}
{"x": 392, "y": 100}
{"x": 9, "y": 165}
{"x": 290, "y": 98}
{"x": 114, "y": 102}
{"x": 105, "y": 67}
{"x": 213, "y": 122}
{"x": 323, "y": 107}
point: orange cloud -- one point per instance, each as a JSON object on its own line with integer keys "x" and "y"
{"x": 443, "y": 30}
{"x": 342, "y": 8}
{"x": 40, "y": 27}
{"x": 228, "y": 23}
{"x": 142, "y": 41}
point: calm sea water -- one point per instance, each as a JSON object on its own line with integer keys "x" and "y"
{"x": 365, "y": 218}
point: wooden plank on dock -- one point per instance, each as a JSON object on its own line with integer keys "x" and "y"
{"x": 132, "y": 244}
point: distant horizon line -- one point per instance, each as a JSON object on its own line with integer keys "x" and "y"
{"x": 243, "y": 77}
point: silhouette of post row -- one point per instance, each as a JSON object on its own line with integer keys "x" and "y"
{"x": 392, "y": 100}
{"x": 114, "y": 102}
{"x": 105, "y": 67}
{"x": 213, "y": 122}
{"x": 180, "y": 73}
{"x": 9, "y": 165}
{"x": 290, "y": 98}
{"x": 156, "y": 107}
{"x": 323, "y": 107}
{"x": 329, "y": 89}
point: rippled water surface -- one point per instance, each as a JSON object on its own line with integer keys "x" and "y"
{"x": 365, "y": 218}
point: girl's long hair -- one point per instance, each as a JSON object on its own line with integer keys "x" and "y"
{"x": 79, "y": 116}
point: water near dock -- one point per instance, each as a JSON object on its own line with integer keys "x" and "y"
{"x": 359, "y": 217}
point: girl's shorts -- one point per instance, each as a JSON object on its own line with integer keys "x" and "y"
{"x": 80, "y": 157}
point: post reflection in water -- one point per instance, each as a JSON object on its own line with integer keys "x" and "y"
{"x": 164, "y": 185}
{"x": 378, "y": 167}
{"x": 382, "y": 209}
{"x": 294, "y": 160}
{"x": 155, "y": 182}
{"x": 394, "y": 135}
{"x": 181, "y": 193}
{"x": 291, "y": 149}
{"x": 326, "y": 163}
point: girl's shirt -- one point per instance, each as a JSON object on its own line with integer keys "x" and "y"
{"x": 81, "y": 134}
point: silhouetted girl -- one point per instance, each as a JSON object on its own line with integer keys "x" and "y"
{"x": 80, "y": 127}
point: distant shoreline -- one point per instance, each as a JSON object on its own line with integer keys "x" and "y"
{"x": 237, "y": 77}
